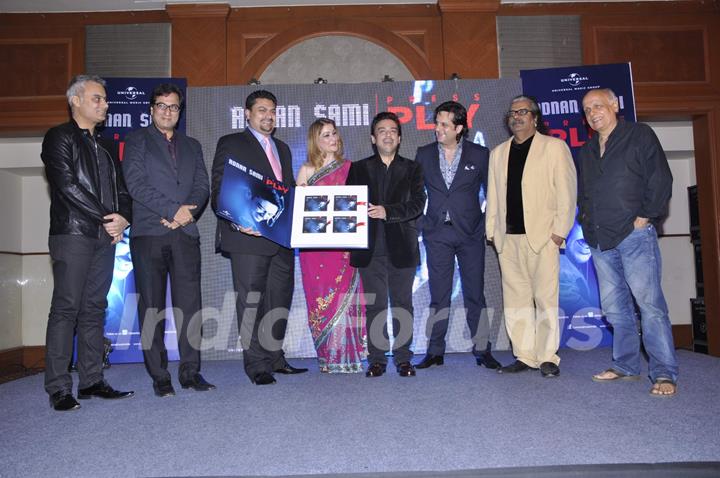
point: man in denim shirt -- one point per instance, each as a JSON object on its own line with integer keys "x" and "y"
{"x": 625, "y": 185}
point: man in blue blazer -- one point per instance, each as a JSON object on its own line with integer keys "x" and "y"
{"x": 168, "y": 183}
{"x": 455, "y": 172}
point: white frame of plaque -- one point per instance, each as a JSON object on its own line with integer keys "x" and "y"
{"x": 330, "y": 217}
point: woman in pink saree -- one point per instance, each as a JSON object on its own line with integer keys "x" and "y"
{"x": 332, "y": 287}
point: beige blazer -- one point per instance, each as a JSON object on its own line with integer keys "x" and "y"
{"x": 549, "y": 189}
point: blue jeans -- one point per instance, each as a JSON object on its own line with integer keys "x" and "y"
{"x": 634, "y": 267}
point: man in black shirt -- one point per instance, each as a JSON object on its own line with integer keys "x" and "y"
{"x": 530, "y": 210}
{"x": 625, "y": 187}
{"x": 387, "y": 267}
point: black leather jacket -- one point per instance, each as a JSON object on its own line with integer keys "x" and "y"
{"x": 70, "y": 155}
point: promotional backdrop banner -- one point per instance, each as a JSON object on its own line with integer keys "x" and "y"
{"x": 129, "y": 109}
{"x": 217, "y": 111}
{"x": 212, "y": 112}
{"x": 559, "y": 92}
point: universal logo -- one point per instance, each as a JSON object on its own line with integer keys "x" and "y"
{"x": 574, "y": 79}
{"x": 130, "y": 93}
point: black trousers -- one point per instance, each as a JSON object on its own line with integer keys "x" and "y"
{"x": 82, "y": 273}
{"x": 442, "y": 250}
{"x": 264, "y": 287}
{"x": 155, "y": 258}
{"x": 379, "y": 278}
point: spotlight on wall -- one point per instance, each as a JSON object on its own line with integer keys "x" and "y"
{"x": 254, "y": 82}
{"x": 455, "y": 76}
{"x": 321, "y": 81}
{"x": 387, "y": 78}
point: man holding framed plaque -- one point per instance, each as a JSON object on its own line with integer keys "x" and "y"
{"x": 387, "y": 267}
{"x": 262, "y": 270}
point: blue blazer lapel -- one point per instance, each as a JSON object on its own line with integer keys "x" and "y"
{"x": 434, "y": 173}
{"x": 185, "y": 162}
{"x": 459, "y": 173}
{"x": 161, "y": 151}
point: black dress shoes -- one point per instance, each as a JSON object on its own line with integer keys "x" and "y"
{"x": 102, "y": 390}
{"x": 63, "y": 401}
{"x": 430, "y": 360}
{"x": 406, "y": 369}
{"x": 288, "y": 369}
{"x": 198, "y": 383}
{"x": 487, "y": 360}
{"x": 515, "y": 367}
{"x": 375, "y": 370}
{"x": 263, "y": 378}
{"x": 549, "y": 369}
{"x": 163, "y": 389}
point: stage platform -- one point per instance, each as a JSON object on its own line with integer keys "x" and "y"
{"x": 457, "y": 420}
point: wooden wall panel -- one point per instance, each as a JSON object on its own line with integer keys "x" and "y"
{"x": 33, "y": 93}
{"x": 470, "y": 38}
{"x": 199, "y": 43}
{"x": 706, "y": 132}
{"x": 683, "y": 50}
{"x": 48, "y": 72}
{"x": 257, "y": 36}
{"x": 671, "y": 54}
{"x": 39, "y": 54}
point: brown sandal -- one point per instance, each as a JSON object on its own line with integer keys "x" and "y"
{"x": 671, "y": 388}
{"x": 614, "y": 375}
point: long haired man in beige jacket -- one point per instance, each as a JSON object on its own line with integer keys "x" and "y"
{"x": 532, "y": 190}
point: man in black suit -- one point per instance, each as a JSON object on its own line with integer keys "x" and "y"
{"x": 167, "y": 180}
{"x": 263, "y": 271}
{"x": 455, "y": 171}
{"x": 396, "y": 196}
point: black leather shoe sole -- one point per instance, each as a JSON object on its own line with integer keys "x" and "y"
{"x": 290, "y": 370}
{"x": 105, "y": 396}
{"x": 63, "y": 402}
{"x": 515, "y": 367}
{"x": 430, "y": 360}
{"x": 197, "y": 383}
{"x": 406, "y": 369}
{"x": 104, "y": 391}
{"x": 375, "y": 370}
{"x": 488, "y": 361}
{"x": 549, "y": 370}
{"x": 163, "y": 390}
{"x": 263, "y": 378}
{"x": 198, "y": 387}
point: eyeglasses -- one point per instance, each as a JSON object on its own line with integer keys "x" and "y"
{"x": 520, "y": 112}
{"x": 163, "y": 107}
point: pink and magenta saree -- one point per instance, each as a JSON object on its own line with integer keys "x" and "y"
{"x": 333, "y": 292}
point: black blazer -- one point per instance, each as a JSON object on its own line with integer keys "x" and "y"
{"x": 246, "y": 149}
{"x": 461, "y": 199}
{"x": 158, "y": 184}
{"x": 404, "y": 202}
